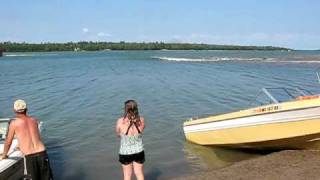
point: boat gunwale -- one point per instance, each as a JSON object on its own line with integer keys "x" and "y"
{"x": 5, "y": 119}
{"x": 267, "y": 113}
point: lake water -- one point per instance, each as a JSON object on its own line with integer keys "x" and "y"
{"x": 80, "y": 95}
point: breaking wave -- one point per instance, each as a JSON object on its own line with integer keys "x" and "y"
{"x": 29, "y": 54}
{"x": 210, "y": 59}
{"x": 298, "y": 62}
{"x": 256, "y": 59}
{"x": 17, "y": 55}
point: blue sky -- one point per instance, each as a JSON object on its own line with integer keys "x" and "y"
{"x": 288, "y": 23}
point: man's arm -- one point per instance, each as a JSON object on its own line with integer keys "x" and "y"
{"x": 8, "y": 140}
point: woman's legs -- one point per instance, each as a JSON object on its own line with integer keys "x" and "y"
{"x": 138, "y": 170}
{"x": 127, "y": 171}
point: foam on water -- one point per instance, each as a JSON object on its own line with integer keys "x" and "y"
{"x": 29, "y": 54}
{"x": 297, "y": 62}
{"x": 18, "y": 55}
{"x": 221, "y": 59}
{"x": 210, "y": 59}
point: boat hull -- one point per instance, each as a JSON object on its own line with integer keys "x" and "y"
{"x": 298, "y": 134}
{"x": 286, "y": 128}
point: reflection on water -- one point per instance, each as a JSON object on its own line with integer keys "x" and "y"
{"x": 314, "y": 144}
{"x": 209, "y": 157}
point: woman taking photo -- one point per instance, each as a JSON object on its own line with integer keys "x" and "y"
{"x": 129, "y": 129}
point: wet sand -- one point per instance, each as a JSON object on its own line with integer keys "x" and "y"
{"x": 283, "y": 165}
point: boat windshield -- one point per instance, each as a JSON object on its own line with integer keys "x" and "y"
{"x": 278, "y": 95}
{"x": 3, "y": 128}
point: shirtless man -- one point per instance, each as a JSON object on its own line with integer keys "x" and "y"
{"x": 26, "y": 130}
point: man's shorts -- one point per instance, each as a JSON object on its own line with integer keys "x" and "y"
{"x": 38, "y": 166}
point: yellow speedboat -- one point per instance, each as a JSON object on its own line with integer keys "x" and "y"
{"x": 291, "y": 120}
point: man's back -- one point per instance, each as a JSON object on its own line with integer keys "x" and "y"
{"x": 25, "y": 129}
{"x": 27, "y": 133}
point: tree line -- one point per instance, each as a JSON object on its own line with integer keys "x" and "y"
{"x": 99, "y": 46}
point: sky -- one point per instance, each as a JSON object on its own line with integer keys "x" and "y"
{"x": 286, "y": 23}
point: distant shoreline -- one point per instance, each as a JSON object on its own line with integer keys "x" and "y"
{"x": 108, "y": 46}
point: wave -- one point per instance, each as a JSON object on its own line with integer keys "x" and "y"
{"x": 30, "y": 55}
{"x": 298, "y": 62}
{"x": 221, "y": 59}
{"x": 210, "y": 59}
{"x": 17, "y": 55}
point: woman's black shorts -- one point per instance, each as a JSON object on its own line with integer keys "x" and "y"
{"x": 127, "y": 159}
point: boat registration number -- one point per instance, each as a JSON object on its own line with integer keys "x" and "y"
{"x": 267, "y": 109}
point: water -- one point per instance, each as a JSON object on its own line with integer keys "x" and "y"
{"x": 79, "y": 96}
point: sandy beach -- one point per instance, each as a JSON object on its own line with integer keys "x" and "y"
{"x": 283, "y": 165}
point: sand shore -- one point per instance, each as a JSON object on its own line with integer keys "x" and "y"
{"x": 283, "y": 165}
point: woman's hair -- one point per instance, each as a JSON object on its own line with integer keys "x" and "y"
{"x": 131, "y": 110}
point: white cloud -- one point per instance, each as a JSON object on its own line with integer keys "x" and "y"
{"x": 102, "y": 34}
{"x": 85, "y": 30}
